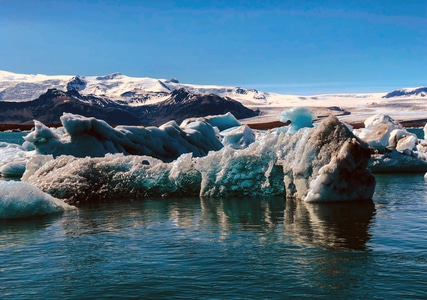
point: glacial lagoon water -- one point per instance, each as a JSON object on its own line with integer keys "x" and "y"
{"x": 191, "y": 248}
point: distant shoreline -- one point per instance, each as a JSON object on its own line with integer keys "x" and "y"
{"x": 356, "y": 125}
{"x": 22, "y": 127}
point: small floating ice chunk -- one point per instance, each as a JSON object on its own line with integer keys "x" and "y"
{"x": 238, "y": 138}
{"x": 21, "y": 200}
{"x": 408, "y": 142}
{"x": 13, "y": 159}
{"x": 222, "y": 122}
{"x": 300, "y": 117}
{"x": 402, "y": 140}
{"x": 13, "y": 169}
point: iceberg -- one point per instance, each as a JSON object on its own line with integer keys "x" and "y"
{"x": 382, "y": 132}
{"x": 398, "y": 162}
{"x": 84, "y": 136}
{"x": 238, "y": 137}
{"x": 221, "y": 122}
{"x": 299, "y": 117}
{"x": 395, "y": 148}
{"x": 92, "y": 161}
{"x": 13, "y": 159}
{"x": 22, "y": 200}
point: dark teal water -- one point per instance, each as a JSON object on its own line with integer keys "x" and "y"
{"x": 224, "y": 249}
{"x": 13, "y": 137}
{"x": 419, "y": 132}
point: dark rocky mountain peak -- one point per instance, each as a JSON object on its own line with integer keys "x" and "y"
{"x": 173, "y": 80}
{"x": 53, "y": 93}
{"x": 241, "y": 91}
{"x": 179, "y": 95}
{"x": 109, "y": 76}
{"x": 76, "y": 84}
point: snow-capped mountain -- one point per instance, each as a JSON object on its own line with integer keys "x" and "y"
{"x": 137, "y": 91}
{"x": 118, "y": 87}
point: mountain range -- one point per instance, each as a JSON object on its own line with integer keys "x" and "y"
{"x": 179, "y": 105}
{"x": 115, "y": 98}
{"x": 120, "y": 99}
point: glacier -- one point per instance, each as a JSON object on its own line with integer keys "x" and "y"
{"x": 87, "y": 160}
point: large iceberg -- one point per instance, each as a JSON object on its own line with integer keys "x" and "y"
{"x": 92, "y": 161}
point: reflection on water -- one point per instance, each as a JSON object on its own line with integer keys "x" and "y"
{"x": 329, "y": 225}
{"x": 14, "y": 232}
{"x": 243, "y": 214}
{"x": 204, "y": 214}
{"x": 325, "y": 225}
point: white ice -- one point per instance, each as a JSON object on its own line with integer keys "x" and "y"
{"x": 92, "y": 137}
{"x": 397, "y": 150}
{"x": 378, "y": 130}
{"x": 13, "y": 159}
{"x": 238, "y": 137}
{"x": 222, "y": 122}
{"x": 21, "y": 200}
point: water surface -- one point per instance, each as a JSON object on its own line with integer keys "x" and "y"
{"x": 224, "y": 248}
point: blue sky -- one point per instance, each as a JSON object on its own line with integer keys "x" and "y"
{"x": 299, "y": 47}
